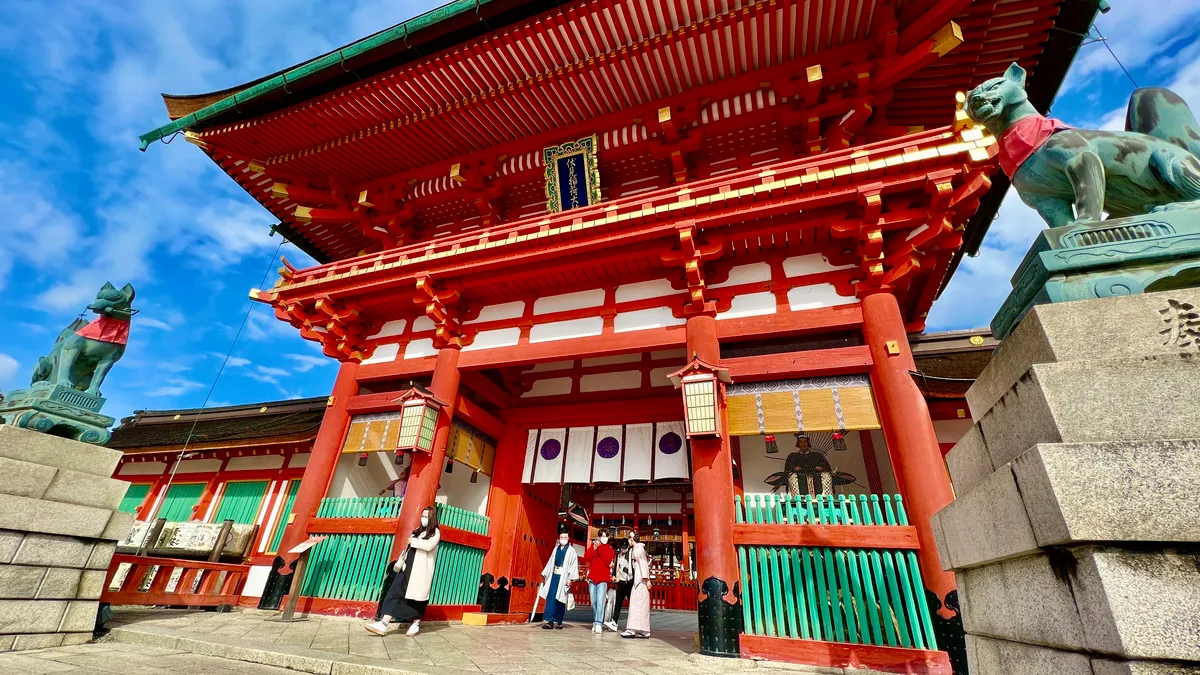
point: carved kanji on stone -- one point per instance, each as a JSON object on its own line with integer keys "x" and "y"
{"x": 1183, "y": 324}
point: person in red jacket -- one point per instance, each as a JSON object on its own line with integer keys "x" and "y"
{"x": 599, "y": 557}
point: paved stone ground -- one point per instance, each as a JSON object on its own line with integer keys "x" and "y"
{"x": 246, "y": 641}
{"x": 126, "y": 659}
{"x": 446, "y": 648}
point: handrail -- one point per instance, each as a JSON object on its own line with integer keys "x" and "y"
{"x": 730, "y": 189}
{"x": 172, "y": 582}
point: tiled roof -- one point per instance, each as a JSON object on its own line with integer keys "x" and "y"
{"x": 293, "y": 420}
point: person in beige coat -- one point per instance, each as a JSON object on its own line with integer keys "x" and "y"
{"x": 409, "y": 593}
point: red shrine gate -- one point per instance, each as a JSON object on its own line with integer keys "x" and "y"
{"x": 528, "y": 218}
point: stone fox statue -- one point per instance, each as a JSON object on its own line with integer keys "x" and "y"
{"x": 85, "y": 352}
{"x": 1151, "y": 166}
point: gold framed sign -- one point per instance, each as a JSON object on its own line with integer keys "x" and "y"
{"x": 572, "y": 175}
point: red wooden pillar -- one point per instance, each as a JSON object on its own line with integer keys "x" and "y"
{"x": 504, "y": 498}
{"x": 912, "y": 443}
{"x": 427, "y": 467}
{"x": 327, "y": 448}
{"x": 712, "y": 480}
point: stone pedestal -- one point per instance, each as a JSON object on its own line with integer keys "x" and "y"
{"x": 58, "y": 529}
{"x": 59, "y": 411}
{"x": 1075, "y": 534}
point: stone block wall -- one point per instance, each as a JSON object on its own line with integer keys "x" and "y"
{"x": 1075, "y": 534}
{"x": 59, "y": 528}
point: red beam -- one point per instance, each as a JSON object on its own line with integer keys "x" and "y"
{"x": 813, "y": 363}
{"x": 450, "y": 535}
{"x": 838, "y": 655}
{"x": 352, "y": 526}
{"x": 478, "y": 417}
{"x": 824, "y": 319}
{"x": 468, "y": 410}
{"x": 626, "y": 411}
{"x": 490, "y": 391}
{"x": 453, "y": 535}
{"x": 832, "y": 536}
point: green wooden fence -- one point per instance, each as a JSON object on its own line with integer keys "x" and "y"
{"x": 859, "y": 596}
{"x": 240, "y": 501}
{"x": 359, "y": 507}
{"x": 348, "y": 567}
{"x": 281, "y": 525}
{"x": 353, "y": 566}
{"x": 452, "y": 516}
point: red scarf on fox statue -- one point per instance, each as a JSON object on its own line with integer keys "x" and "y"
{"x": 106, "y": 329}
{"x": 1023, "y": 138}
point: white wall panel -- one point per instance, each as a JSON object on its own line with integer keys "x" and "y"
{"x": 551, "y": 387}
{"x": 746, "y": 274}
{"x": 391, "y": 328}
{"x": 655, "y": 288}
{"x": 642, "y": 319}
{"x": 565, "y": 330}
{"x": 817, "y": 295}
{"x": 813, "y": 263}
{"x": 384, "y": 354}
{"x": 489, "y": 339}
{"x": 420, "y": 348}
{"x": 569, "y": 301}
{"x": 751, "y": 304}
{"x": 625, "y": 379}
{"x": 508, "y": 310}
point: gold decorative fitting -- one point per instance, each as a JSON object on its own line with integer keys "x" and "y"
{"x": 176, "y": 417}
{"x": 976, "y": 340}
{"x": 893, "y": 347}
{"x": 947, "y": 38}
{"x": 262, "y": 409}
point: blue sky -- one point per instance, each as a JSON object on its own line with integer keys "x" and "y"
{"x": 81, "y": 205}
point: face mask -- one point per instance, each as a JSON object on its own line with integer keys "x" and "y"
{"x": 603, "y": 540}
{"x": 562, "y": 541}
{"x": 424, "y": 521}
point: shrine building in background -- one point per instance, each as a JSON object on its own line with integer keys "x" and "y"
{"x": 660, "y": 266}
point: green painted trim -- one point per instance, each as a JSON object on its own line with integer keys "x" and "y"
{"x": 177, "y": 506}
{"x": 335, "y": 59}
{"x": 850, "y": 596}
{"x": 134, "y": 496}
{"x": 240, "y": 501}
{"x": 280, "y": 526}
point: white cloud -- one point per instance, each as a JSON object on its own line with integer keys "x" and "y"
{"x": 1137, "y": 36}
{"x": 175, "y": 386}
{"x": 150, "y": 322}
{"x": 267, "y": 374}
{"x": 232, "y": 362}
{"x": 38, "y": 232}
{"x": 305, "y": 363}
{"x": 262, "y": 325}
{"x": 9, "y": 371}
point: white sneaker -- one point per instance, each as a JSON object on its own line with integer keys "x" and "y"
{"x": 612, "y": 625}
{"x": 597, "y": 628}
{"x": 376, "y": 627}
{"x": 413, "y": 629}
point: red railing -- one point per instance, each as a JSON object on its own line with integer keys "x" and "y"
{"x": 664, "y": 594}
{"x": 729, "y": 190}
{"x": 167, "y": 581}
